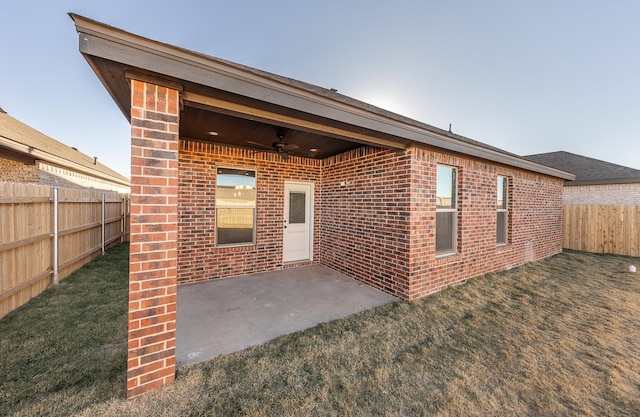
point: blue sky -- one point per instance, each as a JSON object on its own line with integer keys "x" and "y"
{"x": 525, "y": 76}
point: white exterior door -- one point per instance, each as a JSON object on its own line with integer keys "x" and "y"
{"x": 298, "y": 222}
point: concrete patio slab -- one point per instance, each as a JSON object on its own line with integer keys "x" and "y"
{"x": 224, "y": 316}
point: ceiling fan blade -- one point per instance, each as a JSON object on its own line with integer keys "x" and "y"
{"x": 305, "y": 154}
{"x": 291, "y": 146}
{"x": 261, "y": 145}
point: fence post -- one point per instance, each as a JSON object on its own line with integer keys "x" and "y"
{"x": 127, "y": 217}
{"x": 55, "y": 236}
{"x": 124, "y": 219}
{"x": 102, "y": 223}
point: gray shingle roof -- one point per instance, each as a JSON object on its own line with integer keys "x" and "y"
{"x": 113, "y": 53}
{"x": 587, "y": 170}
{"x": 51, "y": 150}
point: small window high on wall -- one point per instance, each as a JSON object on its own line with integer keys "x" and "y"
{"x": 502, "y": 210}
{"x": 446, "y": 210}
{"x": 235, "y": 207}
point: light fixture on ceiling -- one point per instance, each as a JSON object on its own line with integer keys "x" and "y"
{"x": 212, "y": 133}
{"x": 280, "y": 147}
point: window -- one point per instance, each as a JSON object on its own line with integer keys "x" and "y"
{"x": 297, "y": 207}
{"x": 446, "y": 210}
{"x": 235, "y": 207}
{"x": 502, "y": 209}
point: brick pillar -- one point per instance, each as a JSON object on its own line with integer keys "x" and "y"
{"x": 154, "y": 229}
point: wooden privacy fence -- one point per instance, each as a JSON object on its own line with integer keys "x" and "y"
{"x": 46, "y": 233}
{"x": 602, "y": 229}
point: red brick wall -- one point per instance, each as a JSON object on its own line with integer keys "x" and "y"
{"x": 198, "y": 257}
{"x": 15, "y": 171}
{"x": 366, "y": 218}
{"x": 535, "y": 221}
{"x": 152, "y": 276}
{"x": 374, "y": 216}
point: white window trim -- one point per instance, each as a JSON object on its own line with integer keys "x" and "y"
{"x": 454, "y": 237}
{"x": 505, "y": 211}
{"x": 227, "y": 206}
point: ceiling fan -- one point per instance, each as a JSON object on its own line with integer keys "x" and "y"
{"x": 279, "y": 146}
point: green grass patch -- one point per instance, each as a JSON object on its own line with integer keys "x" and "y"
{"x": 66, "y": 349}
{"x": 558, "y": 337}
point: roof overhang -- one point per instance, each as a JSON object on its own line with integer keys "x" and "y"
{"x": 35, "y": 154}
{"x": 608, "y": 181}
{"x": 233, "y": 89}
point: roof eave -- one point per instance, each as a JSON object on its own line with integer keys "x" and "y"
{"x": 610, "y": 181}
{"x": 38, "y": 154}
{"x": 107, "y": 42}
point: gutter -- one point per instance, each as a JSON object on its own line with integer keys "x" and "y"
{"x": 65, "y": 163}
{"x": 603, "y": 182}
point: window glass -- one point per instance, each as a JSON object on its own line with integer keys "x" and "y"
{"x": 297, "y": 207}
{"x": 235, "y": 206}
{"x": 446, "y": 210}
{"x": 502, "y": 211}
{"x": 502, "y": 227}
{"x": 234, "y": 225}
{"x": 445, "y": 223}
{"x": 445, "y": 187}
{"x": 502, "y": 193}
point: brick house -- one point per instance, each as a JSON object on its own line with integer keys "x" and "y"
{"x": 237, "y": 171}
{"x": 597, "y": 182}
{"x": 29, "y": 156}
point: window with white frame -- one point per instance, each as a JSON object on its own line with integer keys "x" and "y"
{"x": 446, "y": 210}
{"x": 235, "y": 207}
{"x": 502, "y": 211}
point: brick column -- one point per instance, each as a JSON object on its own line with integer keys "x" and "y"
{"x": 154, "y": 229}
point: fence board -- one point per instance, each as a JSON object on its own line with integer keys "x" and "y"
{"x": 602, "y": 228}
{"x": 26, "y": 235}
{"x": 23, "y": 219}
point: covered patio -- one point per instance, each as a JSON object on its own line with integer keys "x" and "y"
{"x": 224, "y": 316}
{"x": 237, "y": 171}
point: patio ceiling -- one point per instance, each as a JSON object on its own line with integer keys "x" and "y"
{"x": 204, "y": 125}
{"x": 213, "y": 115}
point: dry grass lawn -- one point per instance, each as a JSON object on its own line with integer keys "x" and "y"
{"x": 559, "y": 337}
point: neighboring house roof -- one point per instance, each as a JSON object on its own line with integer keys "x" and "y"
{"x": 116, "y": 56}
{"x": 588, "y": 171}
{"x": 32, "y": 145}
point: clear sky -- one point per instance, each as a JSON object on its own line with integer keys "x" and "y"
{"x": 525, "y": 76}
